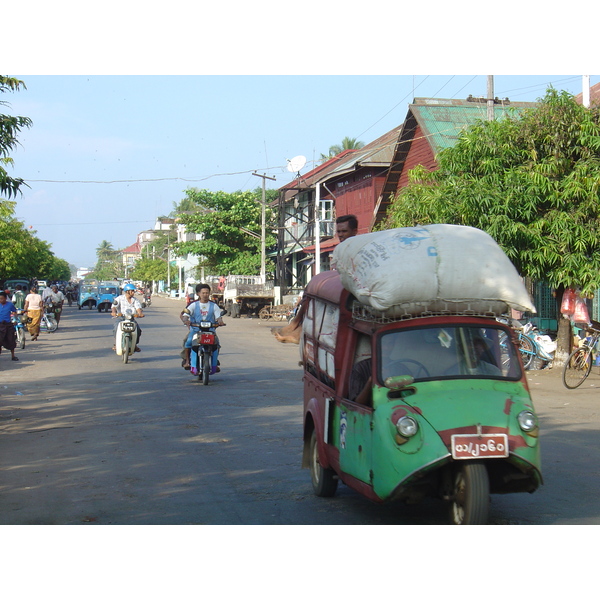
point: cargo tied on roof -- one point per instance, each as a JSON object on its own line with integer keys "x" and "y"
{"x": 434, "y": 268}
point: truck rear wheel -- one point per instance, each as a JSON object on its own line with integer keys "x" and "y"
{"x": 324, "y": 481}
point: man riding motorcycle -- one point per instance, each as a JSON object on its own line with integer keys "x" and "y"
{"x": 120, "y": 305}
{"x": 200, "y": 310}
{"x": 54, "y": 300}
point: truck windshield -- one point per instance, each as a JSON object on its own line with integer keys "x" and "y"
{"x": 448, "y": 352}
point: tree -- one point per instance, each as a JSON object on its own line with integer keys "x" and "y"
{"x": 532, "y": 181}
{"x": 230, "y": 225}
{"x": 108, "y": 266}
{"x": 9, "y": 128}
{"x": 152, "y": 269}
{"x": 347, "y": 144}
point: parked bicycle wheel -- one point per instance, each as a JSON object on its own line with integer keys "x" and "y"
{"x": 527, "y": 349}
{"x": 577, "y": 367}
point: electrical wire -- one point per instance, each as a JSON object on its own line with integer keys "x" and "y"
{"x": 524, "y": 90}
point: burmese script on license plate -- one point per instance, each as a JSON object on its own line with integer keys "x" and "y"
{"x": 207, "y": 338}
{"x": 472, "y": 445}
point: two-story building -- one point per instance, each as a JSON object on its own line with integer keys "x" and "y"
{"x": 363, "y": 182}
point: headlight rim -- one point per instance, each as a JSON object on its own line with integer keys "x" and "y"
{"x": 530, "y": 415}
{"x": 403, "y": 431}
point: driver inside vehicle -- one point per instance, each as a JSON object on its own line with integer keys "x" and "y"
{"x": 361, "y": 380}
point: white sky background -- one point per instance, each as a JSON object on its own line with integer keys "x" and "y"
{"x": 243, "y": 87}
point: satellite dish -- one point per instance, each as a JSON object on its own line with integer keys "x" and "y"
{"x": 296, "y": 164}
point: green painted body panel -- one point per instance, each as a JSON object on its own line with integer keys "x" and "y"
{"x": 367, "y": 439}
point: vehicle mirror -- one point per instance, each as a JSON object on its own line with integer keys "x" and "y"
{"x": 223, "y": 312}
{"x": 398, "y": 382}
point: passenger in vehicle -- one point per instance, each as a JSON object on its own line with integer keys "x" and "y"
{"x": 361, "y": 381}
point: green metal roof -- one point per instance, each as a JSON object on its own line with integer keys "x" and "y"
{"x": 443, "y": 120}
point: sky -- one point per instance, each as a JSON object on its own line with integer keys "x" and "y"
{"x": 106, "y": 155}
{"x": 122, "y": 128}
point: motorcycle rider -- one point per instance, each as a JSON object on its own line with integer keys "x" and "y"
{"x": 57, "y": 298}
{"x": 202, "y": 309}
{"x": 123, "y": 302}
{"x": 18, "y": 298}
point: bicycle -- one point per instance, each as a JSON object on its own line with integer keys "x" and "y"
{"x": 579, "y": 364}
{"x": 528, "y": 348}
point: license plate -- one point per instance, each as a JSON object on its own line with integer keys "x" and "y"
{"x": 470, "y": 446}
{"x": 207, "y": 338}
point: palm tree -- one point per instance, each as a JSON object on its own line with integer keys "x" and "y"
{"x": 347, "y": 144}
{"x": 104, "y": 250}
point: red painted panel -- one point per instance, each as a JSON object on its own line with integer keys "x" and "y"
{"x": 420, "y": 153}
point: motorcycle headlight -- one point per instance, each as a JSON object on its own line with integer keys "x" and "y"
{"x": 527, "y": 421}
{"x": 407, "y": 426}
{"x": 205, "y": 325}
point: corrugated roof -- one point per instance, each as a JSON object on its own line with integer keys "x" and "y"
{"x": 378, "y": 153}
{"x": 442, "y": 121}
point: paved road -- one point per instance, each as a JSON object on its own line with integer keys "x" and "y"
{"x": 85, "y": 439}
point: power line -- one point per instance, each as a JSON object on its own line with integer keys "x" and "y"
{"x": 150, "y": 180}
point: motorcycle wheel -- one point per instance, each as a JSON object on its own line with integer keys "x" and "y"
{"x": 126, "y": 347}
{"x": 470, "y": 502}
{"x": 206, "y": 364}
{"x": 52, "y": 324}
{"x": 21, "y": 338}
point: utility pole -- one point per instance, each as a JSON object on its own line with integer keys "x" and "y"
{"x": 585, "y": 90}
{"x": 263, "y": 269}
{"x": 490, "y": 97}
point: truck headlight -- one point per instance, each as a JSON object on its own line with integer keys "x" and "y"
{"x": 407, "y": 426}
{"x": 527, "y": 421}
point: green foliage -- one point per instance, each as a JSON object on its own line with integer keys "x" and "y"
{"x": 25, "y": 255}
{"x": 148, "y": 269}
{"x": 109, "y": 265}
{"x": 10, "y": 127}
{"x": 221, "y": 218}
{"x": 531, "y": 180}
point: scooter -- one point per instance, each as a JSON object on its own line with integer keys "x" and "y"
{"x": 126, "y": 338}
{"x": 19, "y": 325}
{"x": 204, "y": 345}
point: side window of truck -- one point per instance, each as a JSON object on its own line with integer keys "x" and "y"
{"x": 320, "y": 333}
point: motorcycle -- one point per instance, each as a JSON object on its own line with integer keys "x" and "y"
{"x": 148, "y": 299}
{"x": 127, "y": 336}
{"x": 71, "y": 296}
{"x": 204, "y": 345}
{"x": 18, "y": 322}
{"x": 48, "y": 322}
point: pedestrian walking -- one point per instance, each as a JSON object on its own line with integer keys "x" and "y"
{"x": 34, "y": 307}
{"x": 8, "y": 338}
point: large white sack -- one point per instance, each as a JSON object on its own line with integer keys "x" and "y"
{"x": 431, "y": 268}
